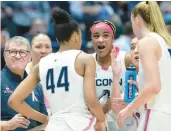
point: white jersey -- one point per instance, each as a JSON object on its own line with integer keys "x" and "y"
{"x": 63, "y": 88}
{"x": 161, "y": 102}
{"x": 104, "y": 77}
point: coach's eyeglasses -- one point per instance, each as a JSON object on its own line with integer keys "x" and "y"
{"x": 106, "y": 22}
{"x": 22, "y": 53}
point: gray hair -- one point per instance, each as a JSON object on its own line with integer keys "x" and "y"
{"x": 19, "y": 40}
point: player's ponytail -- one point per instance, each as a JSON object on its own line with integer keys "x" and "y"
{"x": 64, "y": 24}
{"x": 157, "y": 22}
{"x": 151, "y": 14}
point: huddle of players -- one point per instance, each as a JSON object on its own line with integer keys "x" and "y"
{"x": 76, "y": 70}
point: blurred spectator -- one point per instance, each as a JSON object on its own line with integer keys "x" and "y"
{"x": 4, "y": 37}
{"x": 122, "y": 9}
{"x": 17, "y": 17}
{"x": 90, "y": 11}
{"x": 132, "y": 4}
{"x": 89, "y": 48}
{"x": 17, "y": 56}
{"x": 38, "y": 26}
{"x": 6, "y": 20}
{"x": 51, "y": 34}
{"x": 169, "y": 27}
{"x": 124, "y": 41}
{"x": 165, "y": 7}
{"x": 24, "y": 12}
{"x": 61, "y": 4}
{"x": 116, "y": 20}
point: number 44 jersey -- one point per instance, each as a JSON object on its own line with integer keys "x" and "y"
{"x": 63, "y": 88}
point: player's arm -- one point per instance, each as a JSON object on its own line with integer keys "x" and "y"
{"x": 115, "y": 94}
{"x": 89, "y": 89}
{"x": 107, "y": 106}
{"x": 116, "y": 70}
{"x": 24, "y": 89}
{"x": 149, "y": 57}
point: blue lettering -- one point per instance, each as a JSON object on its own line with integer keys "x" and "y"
{"x": 98, "y": 82}
{"x": 120, "y": 82}
{"x": 104, "y": 82}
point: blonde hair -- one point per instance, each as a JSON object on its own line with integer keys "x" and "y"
{"x": 151, "y": 14}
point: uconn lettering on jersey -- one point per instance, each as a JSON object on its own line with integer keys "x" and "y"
{"x": 105, "y": 82}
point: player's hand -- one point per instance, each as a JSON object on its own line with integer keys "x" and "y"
{"x": 123, "y": 115}
{"x": 18, "y": 121}
{"x": 116, "y": 64}
{"x": 119, "y": 103}
{"x": 47, "y": 120}
{"x": 134, "y": 83}
{"x": 100, "y": 126}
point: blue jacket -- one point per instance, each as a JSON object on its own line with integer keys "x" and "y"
{"x": 9, "y": 82}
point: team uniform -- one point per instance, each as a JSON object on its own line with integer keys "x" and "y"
{"x": 63, "y": 88}
{"x": 156, "y": 115}
{"x": 104, "y": 79}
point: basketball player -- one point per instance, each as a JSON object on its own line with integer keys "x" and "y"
{"x": 67, "y": 78}
{"x": 154, "y": 69}
{"x": 134, "y": 53}
{"x": 102, "y": 33}
{"x": 117, "y": 96}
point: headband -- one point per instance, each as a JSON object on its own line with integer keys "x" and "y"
{"x": 102, "y": 25}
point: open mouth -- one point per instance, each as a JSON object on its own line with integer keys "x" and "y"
{"x": 136, "y": 58}
{"x": 101, "y": 47}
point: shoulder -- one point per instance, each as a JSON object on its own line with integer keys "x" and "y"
{"x": 4, "y": 76}
{"x": 86, "y": 57}
{"x": 47, "y": 58}
{"x": 148, "y": 41}
{"x": 2, "y": 72}
{"x": 147, "y": 44}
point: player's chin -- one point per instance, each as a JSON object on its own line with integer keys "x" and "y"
{"x": 136, "y": 64}
{"x": 102, "y": 54}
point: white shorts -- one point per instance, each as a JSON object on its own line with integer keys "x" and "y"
{"x": 69, "y": 123}
{"x": 157, "y": 121}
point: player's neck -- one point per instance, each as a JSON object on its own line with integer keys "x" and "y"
{"x": 104, "y": 61}
{"x": 64, "y": 48}
{"x": 145, "y": 31}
